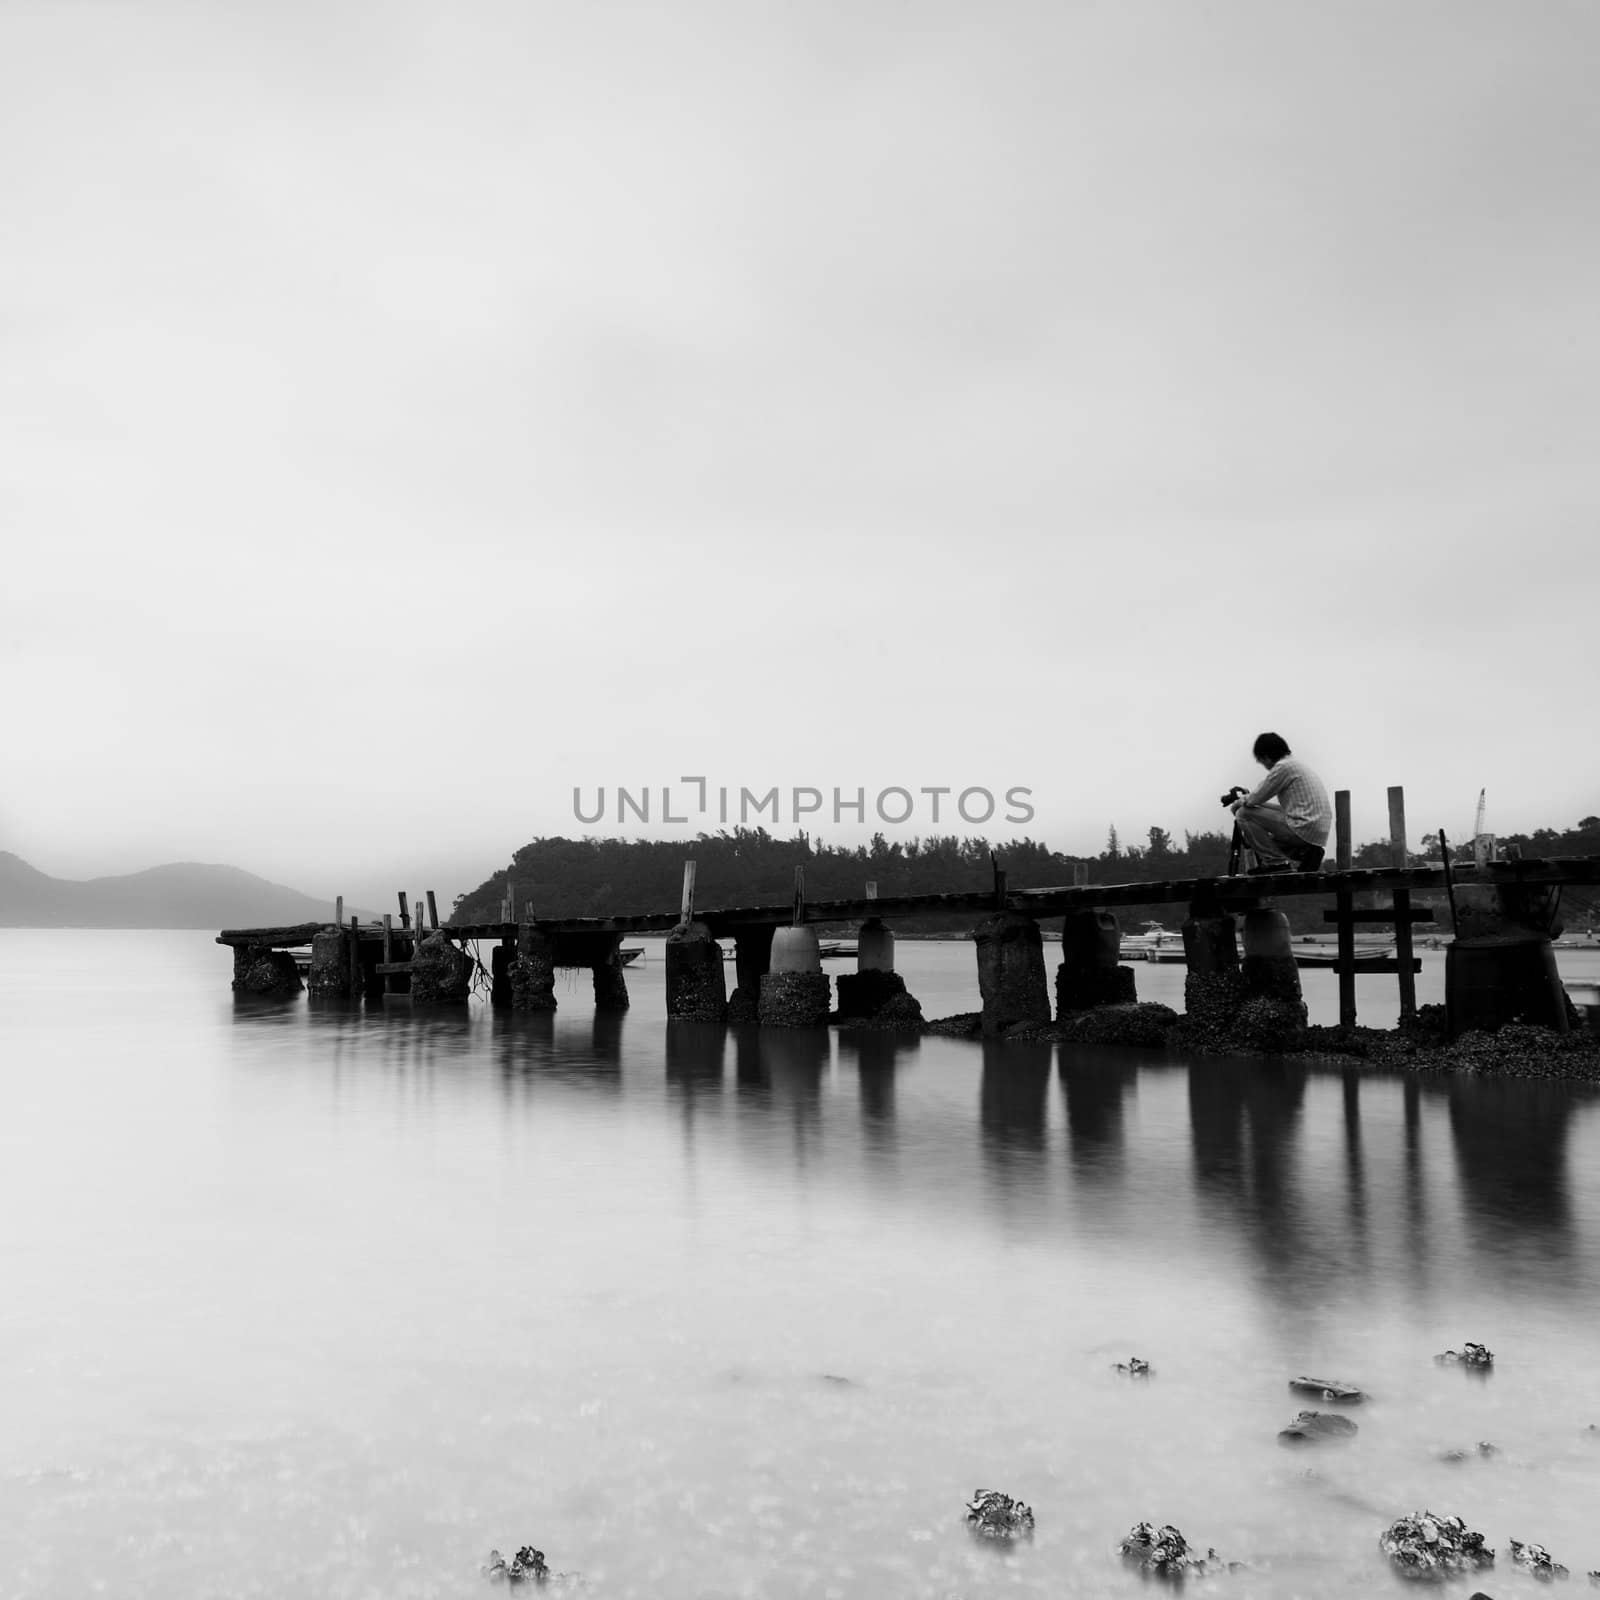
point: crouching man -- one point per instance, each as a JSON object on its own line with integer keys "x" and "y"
{"x": 1286, "y": 818}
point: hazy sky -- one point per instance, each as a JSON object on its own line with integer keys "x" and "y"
{"x": 412, "y": 412}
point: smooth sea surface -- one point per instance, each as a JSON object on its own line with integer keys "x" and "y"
{"x": 316, "y": 1300}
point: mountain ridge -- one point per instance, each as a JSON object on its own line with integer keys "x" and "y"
{"x": 175, "y": 894}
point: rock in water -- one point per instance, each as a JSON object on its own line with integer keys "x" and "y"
{"x": 992, "y": 1515}
{"x": 1134, "y": 1366}
{"x": 1425, "y": 1546}
{"x": 1165, "y": 1553}
{"x": 1310, "y": 1427}
{"x": 1469, "y": 1355}
{"x": 1537, "y": 1560}
{"x": 526, "y": 1566}
{"x": 1328, "y": 1389}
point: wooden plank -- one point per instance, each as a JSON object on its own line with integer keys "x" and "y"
{"x": 1361, "y": 967}
{"x": 280, "y": 938}
{"x": 1344, "y": 908}
{"x": 799, "y": 896}
{"x": 433, "y": 911}
{"x": 405, "y": 913}
{"x": 386, "y": 967}
{"x": 1379, "y": 914}
{"x": 686, "y": 901}
{"x": 1402, "y": 905}
{"x": 338, "y": 911}
{"x": 388, "y": 951}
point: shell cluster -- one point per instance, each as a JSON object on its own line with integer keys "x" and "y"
{"x": 1469, "y": 1355}
{"x": 526, "y": 1566}
{"x": 1425, "y": 1546}
{"x": 1165, "y": 1553}
{"x": 992, "y": 1515}
{"x": 1537, "y": 1560}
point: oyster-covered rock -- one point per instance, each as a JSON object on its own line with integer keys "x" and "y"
{"x": 1469, "y": 1355}
{"x": 1537, "y": 1561}
{"x": 992, "y": 1515}
{"x": 1427, "y": 1546}
{"x": 526, "y": 1566}
{"x": 1165, "y": 1553}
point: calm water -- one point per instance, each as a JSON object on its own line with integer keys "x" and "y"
{"x": 305, "y": 1302}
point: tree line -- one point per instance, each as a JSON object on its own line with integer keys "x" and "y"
{"x": 597, "y": 876}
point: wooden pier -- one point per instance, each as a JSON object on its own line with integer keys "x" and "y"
{"x": 1500, "y": 966}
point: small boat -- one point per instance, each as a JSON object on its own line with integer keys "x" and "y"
{"x": 835, "y": 949}
{"x": 630, "y": 953}
{"x": 1155, "y": 943}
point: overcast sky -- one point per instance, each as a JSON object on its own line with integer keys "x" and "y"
{"x": 413, "y": 412}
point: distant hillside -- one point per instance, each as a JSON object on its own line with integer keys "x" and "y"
{"x": 185, "y": 894}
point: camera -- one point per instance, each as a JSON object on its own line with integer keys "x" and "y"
{"x": 1237, "y": 792}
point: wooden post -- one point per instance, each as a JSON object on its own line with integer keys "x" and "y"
{"x": 872, "y": 888}
{"x": 1402, "y": 906}
{"x": 686, "y": 904}
{"x": 799, "y": 896}
{"x": 511, "y": 901}
{"x": 1080, "y": 874}
{"x": 405, "y": 914}
{"x": 356, "y": 974}
{"x": 338, "y": 911}
{"x": 999, "y": 881}
{"x": 433, "y": 911}
{"x": 1344, "y": 904}
{"x": 388, "y": 948}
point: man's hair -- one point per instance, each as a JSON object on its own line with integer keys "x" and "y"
{"x": 1270, "y": 747}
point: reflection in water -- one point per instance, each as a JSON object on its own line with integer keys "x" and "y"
{"x": 876, "y": 1056}
{"x": 694, "y": 1052}
{"x": 1511, "y": 1160}
{"x": 796, "y": 1062}
{"x": 1094, "y": 1086}
{"x": 1244, "y": 1123}
{"x": 1011, "y": 1099}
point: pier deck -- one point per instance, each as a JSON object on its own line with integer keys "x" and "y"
{"x": 1225, "y": 892}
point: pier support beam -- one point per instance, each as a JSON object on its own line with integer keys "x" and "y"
{"x": 533, "y": 972}
{"x": 331, "y": 965}
{"x": 1500, "y": 967}
{"x": 1089, "y": 974}
{"x": 697, "y": 986}
{"x": 610, "y": 987}
{"x": 794, "y": 990}
{"x": 1011, "y": 975}
{"x": 1213, "y": 990}
{"x": 258, "y": 969}
{"x": 441, "y": 974}
{"x": 875, "y": 991}
{"x": 501, "y": 957}
{"x": 1269, "y": 968}
{"x": 752, "y": 949}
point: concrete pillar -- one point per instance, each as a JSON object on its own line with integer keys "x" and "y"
{"x": 500, "y": 960}
{"x": 697, "y": 986}
{"x": 260, "y": 970}
{"x": 610, "y": 987}
{"x": 533, "y": 972}
{"x": 330, "y": 964}
{"x": 1269, "y": 969}
{"x": 1011, "y": 971}
{"x": 794, "y": 990}
{"x": 441, "y": 974}
{"x": 874, "y": 947}
{"x": 1213, "y": 990}
{"x": 752, "y": 955}
{"x": 875, "y": 990}
{"x": 1089, "y": 974}
{"x": 1500, "y": 966}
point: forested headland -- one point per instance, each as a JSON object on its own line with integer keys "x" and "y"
{"x": 599, "y": 877}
